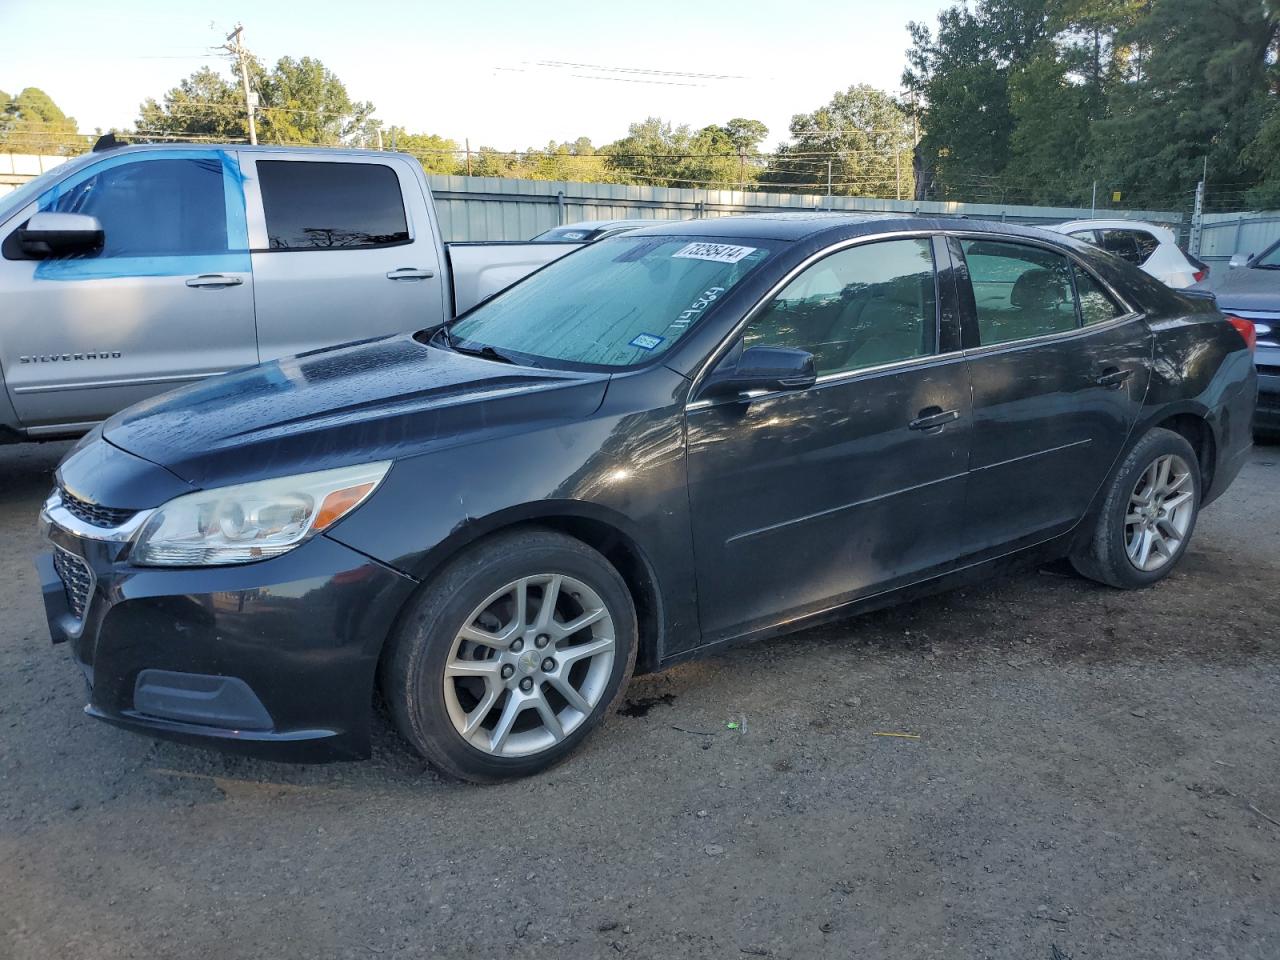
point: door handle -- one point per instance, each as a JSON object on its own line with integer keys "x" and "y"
{"x": 1112, "y": 378}
{"x": 933, "y": 419}
{"x": 214, "y": 280}
{"x": 410, "y": 273}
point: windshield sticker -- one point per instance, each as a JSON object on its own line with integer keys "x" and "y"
{"x": 646, "y": 341}
{"x": 706, "y": 299}
{"x": 719, "y": 252}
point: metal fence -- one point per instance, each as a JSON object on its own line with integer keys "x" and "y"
{"x": 1222, "y": 235}
{"x": 491, "y": 208}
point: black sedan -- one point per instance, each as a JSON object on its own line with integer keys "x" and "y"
{"x": 682, "y": 437}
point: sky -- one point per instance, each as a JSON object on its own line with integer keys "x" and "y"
{"x": 502, "y": 73}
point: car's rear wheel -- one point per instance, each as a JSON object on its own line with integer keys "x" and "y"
{"x": 1148, "y": 516}
{"x": 509, "y": 658}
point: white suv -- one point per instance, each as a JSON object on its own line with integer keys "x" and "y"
{"x": 1146, "y": 245}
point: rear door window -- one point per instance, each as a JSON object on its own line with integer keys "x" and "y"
{"x": 1019, "y": 291}
{"x": 331, "y": 206}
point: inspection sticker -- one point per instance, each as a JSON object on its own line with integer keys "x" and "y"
{"x": 719, "y": 252}
{"x": 646, "y": 341}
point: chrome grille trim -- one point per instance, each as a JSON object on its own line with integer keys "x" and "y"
{"x": 93, "y": 513}
{"x": 77, "y": 580}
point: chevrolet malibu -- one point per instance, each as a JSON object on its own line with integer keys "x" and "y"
{"x": 683, "y": 437}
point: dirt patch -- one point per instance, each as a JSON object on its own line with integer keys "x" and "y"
{"x": 1094, "y": 776}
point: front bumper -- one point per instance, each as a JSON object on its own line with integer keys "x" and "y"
{"x": 276, "y": 659}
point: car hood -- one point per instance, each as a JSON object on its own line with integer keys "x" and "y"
{"x": 377, "y": 400}
{"x": 1249, "y": 288}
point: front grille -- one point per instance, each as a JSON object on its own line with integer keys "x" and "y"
{"x": 93, "y": 513}
{"x": 76, "y": 579}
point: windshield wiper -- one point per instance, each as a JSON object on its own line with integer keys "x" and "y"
{"x": 484, "y": 350}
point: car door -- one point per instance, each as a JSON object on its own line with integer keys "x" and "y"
{"x": 803, "y": 500}
{"x": 342, "y": 250}
{"x": 1059, "y": 368}
{"x": 167, "y": 300}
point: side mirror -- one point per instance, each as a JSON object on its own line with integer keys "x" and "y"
{"x": 767, "y": 369}
{"x": 56, "y": 234}
{"x": 1239, "y": 260}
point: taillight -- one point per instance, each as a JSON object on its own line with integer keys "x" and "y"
{"x": 1201, "y": 274}
{"x": 1246, "y": 331}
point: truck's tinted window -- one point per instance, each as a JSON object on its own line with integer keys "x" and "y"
{"x": 324, "y": 206}
{"x": 1020, "y": 291}
{"x": 155, "y": 208}
{"x": 616, "y": 303}
{"x": 861, "y": 307}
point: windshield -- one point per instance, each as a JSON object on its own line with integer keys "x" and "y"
{"x": 15, "y": 200}
{"x": 617, "y": 303}
{"x": 1269, "y": 259}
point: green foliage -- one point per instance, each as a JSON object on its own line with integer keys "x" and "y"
{"x": 32, "y": 123}
{"x": 299, "y": 101}
{"x": 302, "y": 101}
{"x": 205, "y": 104}
{"x": 866, "y": 136}
{"x": 655, "y": 153}
{"x": 1034, "y": 99}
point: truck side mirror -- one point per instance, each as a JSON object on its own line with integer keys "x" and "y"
{"x": 51, "y": 234}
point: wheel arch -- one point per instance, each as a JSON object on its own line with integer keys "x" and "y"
{"x": 599, "y": 528}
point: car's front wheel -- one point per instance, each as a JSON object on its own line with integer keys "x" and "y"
{"x": 1148, "y": 516}
{"x": 511, "y": 656}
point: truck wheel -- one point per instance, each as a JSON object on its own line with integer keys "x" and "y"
{"x": 1148, "y": 516}
{"x": 507, "y": 660}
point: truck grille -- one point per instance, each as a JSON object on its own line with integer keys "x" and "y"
{"x": 93, "y": 513}
{"x": 76, "y": 579}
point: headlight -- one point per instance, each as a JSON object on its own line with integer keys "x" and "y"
{"x": 252, "y": 521}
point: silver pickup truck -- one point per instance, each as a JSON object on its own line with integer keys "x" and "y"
{"x": 132, "y": 271}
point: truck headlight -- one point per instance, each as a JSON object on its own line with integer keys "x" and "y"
{"x": 252, "y": 521}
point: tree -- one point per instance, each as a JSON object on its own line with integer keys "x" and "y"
{"x": 204, "y": 105}
{"x": 863, "y": 133}
{"x": 1201, "y": 94}
{"x": 959, "y": 83}
{"x": 300, "y": 101}
{"x": 305, "y": 102}
{"x": 656, "y": 153}
{"x": 32, "y": 123}
{"x": 1049, "y": 146}
{"x": 435, "y": 153}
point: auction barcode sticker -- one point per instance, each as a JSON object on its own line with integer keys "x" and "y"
{"x": 719, "y": 252}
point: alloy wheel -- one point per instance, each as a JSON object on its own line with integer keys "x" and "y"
{"x": 1161, "y": 508}
{"x": 530, "y": 664}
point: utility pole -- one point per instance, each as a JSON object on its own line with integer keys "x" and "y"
{"x": 1197, "y": 213}
{"x": 242, "y": 55}
{"x": 829, "y": 196}
{"x": 1093, "y": 204}
{"x": 468, "y": 144}
{"x": 897, "y": 170}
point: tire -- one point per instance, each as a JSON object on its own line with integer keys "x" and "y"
{"x": 1107, "y": 557}
{"x": 491, "y": 718}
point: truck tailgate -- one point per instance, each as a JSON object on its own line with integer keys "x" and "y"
{"x": 481, "y": 269}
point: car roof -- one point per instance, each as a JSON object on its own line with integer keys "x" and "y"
{"x": 608, "y": 224}
{"x": 833, "y": 226}
{"x": 1113, "y": 224}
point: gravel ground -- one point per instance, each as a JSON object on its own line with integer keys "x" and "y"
{"x": 1092, "y": 774}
